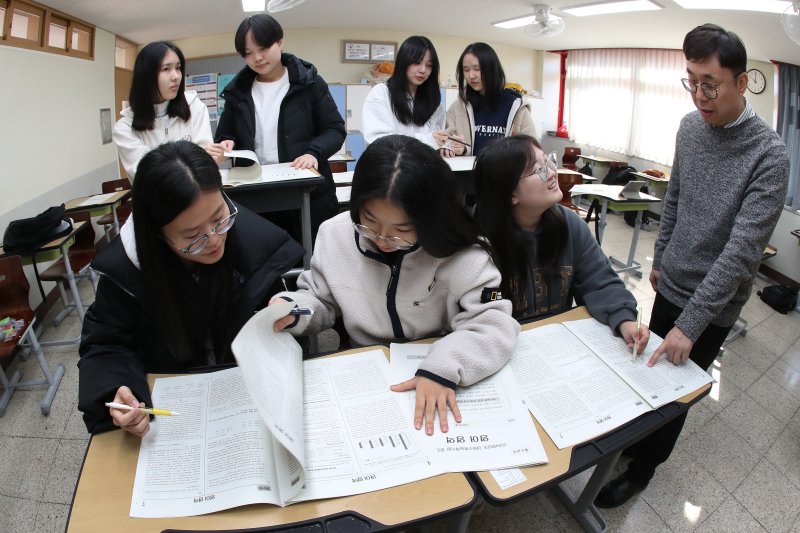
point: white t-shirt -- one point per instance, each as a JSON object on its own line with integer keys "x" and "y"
{"x": 267, "y": 97}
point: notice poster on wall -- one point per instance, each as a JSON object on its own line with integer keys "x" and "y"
{"x": 206, "y": 87}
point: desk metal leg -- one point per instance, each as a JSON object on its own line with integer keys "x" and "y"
{"x": 601, "y": 225}
{"x": 305, "y": 217}
{"x": 308, "y": 244}
{"x": 631, "y": 266}
{"x": 582, "y": 508}
{"x": 116, "y": 220}
{"x": 70, "y": 277}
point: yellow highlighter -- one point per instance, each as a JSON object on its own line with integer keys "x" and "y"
{"x": 148, "y": 410}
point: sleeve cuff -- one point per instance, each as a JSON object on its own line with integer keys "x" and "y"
{"x": 438, "y": 379}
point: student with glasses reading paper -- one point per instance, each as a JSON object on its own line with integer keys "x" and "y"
{"x": 176, "y": 286}
{"x": 545, "y": 252}
{"x": 406, "y": 263}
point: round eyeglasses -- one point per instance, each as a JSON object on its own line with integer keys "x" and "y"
{"x": 550, "y": 162}
{"x": 709, "y": 90}
{"x": 395, "y": 242}
{"x": 223, "y": 226}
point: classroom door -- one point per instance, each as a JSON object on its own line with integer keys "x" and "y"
{"x": 122, "y": 88}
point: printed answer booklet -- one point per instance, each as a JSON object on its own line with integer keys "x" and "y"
{"x": 580, "y": 381}
{"x": 277, "y": 429}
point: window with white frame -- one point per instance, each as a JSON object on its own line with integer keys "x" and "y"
{"x": 629, "y": 101}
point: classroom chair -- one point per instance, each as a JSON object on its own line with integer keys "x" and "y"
{"x": 80, "y": 256}
{"x": 14, "y": 303}
{"x": 571, "y": 155}
{"x": 123, "y": 211}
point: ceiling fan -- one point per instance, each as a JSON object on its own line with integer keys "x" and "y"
{"x": 544, "y": 24}
{"x": 274, "y": 6}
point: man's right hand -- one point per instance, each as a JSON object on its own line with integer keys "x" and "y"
{"x": 135, "y": 422}
{"x": 654, "y": 275}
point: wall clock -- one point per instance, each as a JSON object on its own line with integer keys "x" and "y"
{"x": 756, "y": 82}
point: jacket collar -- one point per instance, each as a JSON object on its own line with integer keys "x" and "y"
{"x": 128, "y": 238}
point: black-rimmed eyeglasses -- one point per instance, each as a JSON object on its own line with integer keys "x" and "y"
{"x": 223, "y": 226}
{"x": 709, "y": 90}
{"x": 395, "y": 242}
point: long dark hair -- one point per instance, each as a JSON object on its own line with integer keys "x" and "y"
{"x": 412, "y": 175}
{"x": 144, "y": 93}
{"x": 427, "y": 97}
{"x": 497, "y": 172}
{"x": 492, "y": 76}
{"x": 187, "y": 304}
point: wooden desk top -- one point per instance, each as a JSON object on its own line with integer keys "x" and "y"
{"x": 559, "y": 460}
{"x": 102, "y": 499}
{"x": 54, "y": 244}
{"x": 585, "y": 177}
{"x": 648, "y": 177}
{"x": 96, "y": 200}
{"x": 598, "y": 159}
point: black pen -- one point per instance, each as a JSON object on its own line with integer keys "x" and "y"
{"x": 301, "y": 311}
{"x": 460, "y": 142}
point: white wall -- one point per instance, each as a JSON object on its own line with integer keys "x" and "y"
{"x": 787, "y": 260}
{"x": 50, "y": 143}
{"x": 322, "y": 47}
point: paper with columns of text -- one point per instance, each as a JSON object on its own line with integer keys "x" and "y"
{"x": 580, "y": 383}
{"x": 496, "y": 430}
{"x": 248, "y": 435}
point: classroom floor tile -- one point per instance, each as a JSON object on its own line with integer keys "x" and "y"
{"x": 736, "y": 466}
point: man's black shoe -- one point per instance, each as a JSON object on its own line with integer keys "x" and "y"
{"x": 618, "y": 491}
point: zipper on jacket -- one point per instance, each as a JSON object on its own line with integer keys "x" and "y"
{"x": 391, "y": 304}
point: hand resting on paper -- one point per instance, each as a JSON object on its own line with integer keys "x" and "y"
{"x": 628, "y": 331}
{"x": 430, "y": 396}
{"x": 305, "y": 162}
{"x": 217, "y": 150}
{"x": 676, "y": 347}
{"x": 135, "y": 422}
{"x": 285, "y": 322}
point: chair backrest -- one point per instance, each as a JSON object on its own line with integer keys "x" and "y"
{"x": 84, "y": 239}
{"x": 571, "y": 154}
{"x": 116, "y": 185}
{"x": 14, "y": 288}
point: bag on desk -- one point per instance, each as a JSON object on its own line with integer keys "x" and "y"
{"x": 779, "y": 297}
{"x": 26, "y": 234}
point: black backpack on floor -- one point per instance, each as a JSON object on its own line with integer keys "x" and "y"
{"x": 779, "y": 297}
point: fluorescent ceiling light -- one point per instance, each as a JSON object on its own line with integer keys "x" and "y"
{"x": 605, "y": 8}
{"x": 515, "y": 22}
{"x": 767, "y": 6}
{"x": 254, "y": 5}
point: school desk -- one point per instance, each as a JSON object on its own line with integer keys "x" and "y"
{"x": 595, "y": 160}
{"x": 51, "y": 251}
{"x": 102, "y": 500}
{"x": 654, "y": 183}
{"x": 99, "y": 205}
{"x": 601, "y": 452}
{"x": 608, "y": 196}
{"x": 268, "y": 196}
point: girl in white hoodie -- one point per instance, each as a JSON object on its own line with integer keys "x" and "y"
{"x": 409, "y": 103}
{"x": 160, "y": 110}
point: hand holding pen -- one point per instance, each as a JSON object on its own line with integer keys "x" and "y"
{"x": 636, "y": 334}
{"x": 134, "y": 421}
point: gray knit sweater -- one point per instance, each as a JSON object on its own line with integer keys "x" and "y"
{"x": 724, "y": 198}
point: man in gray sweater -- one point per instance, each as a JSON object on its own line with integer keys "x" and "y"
{"x": 725, "y": 195}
